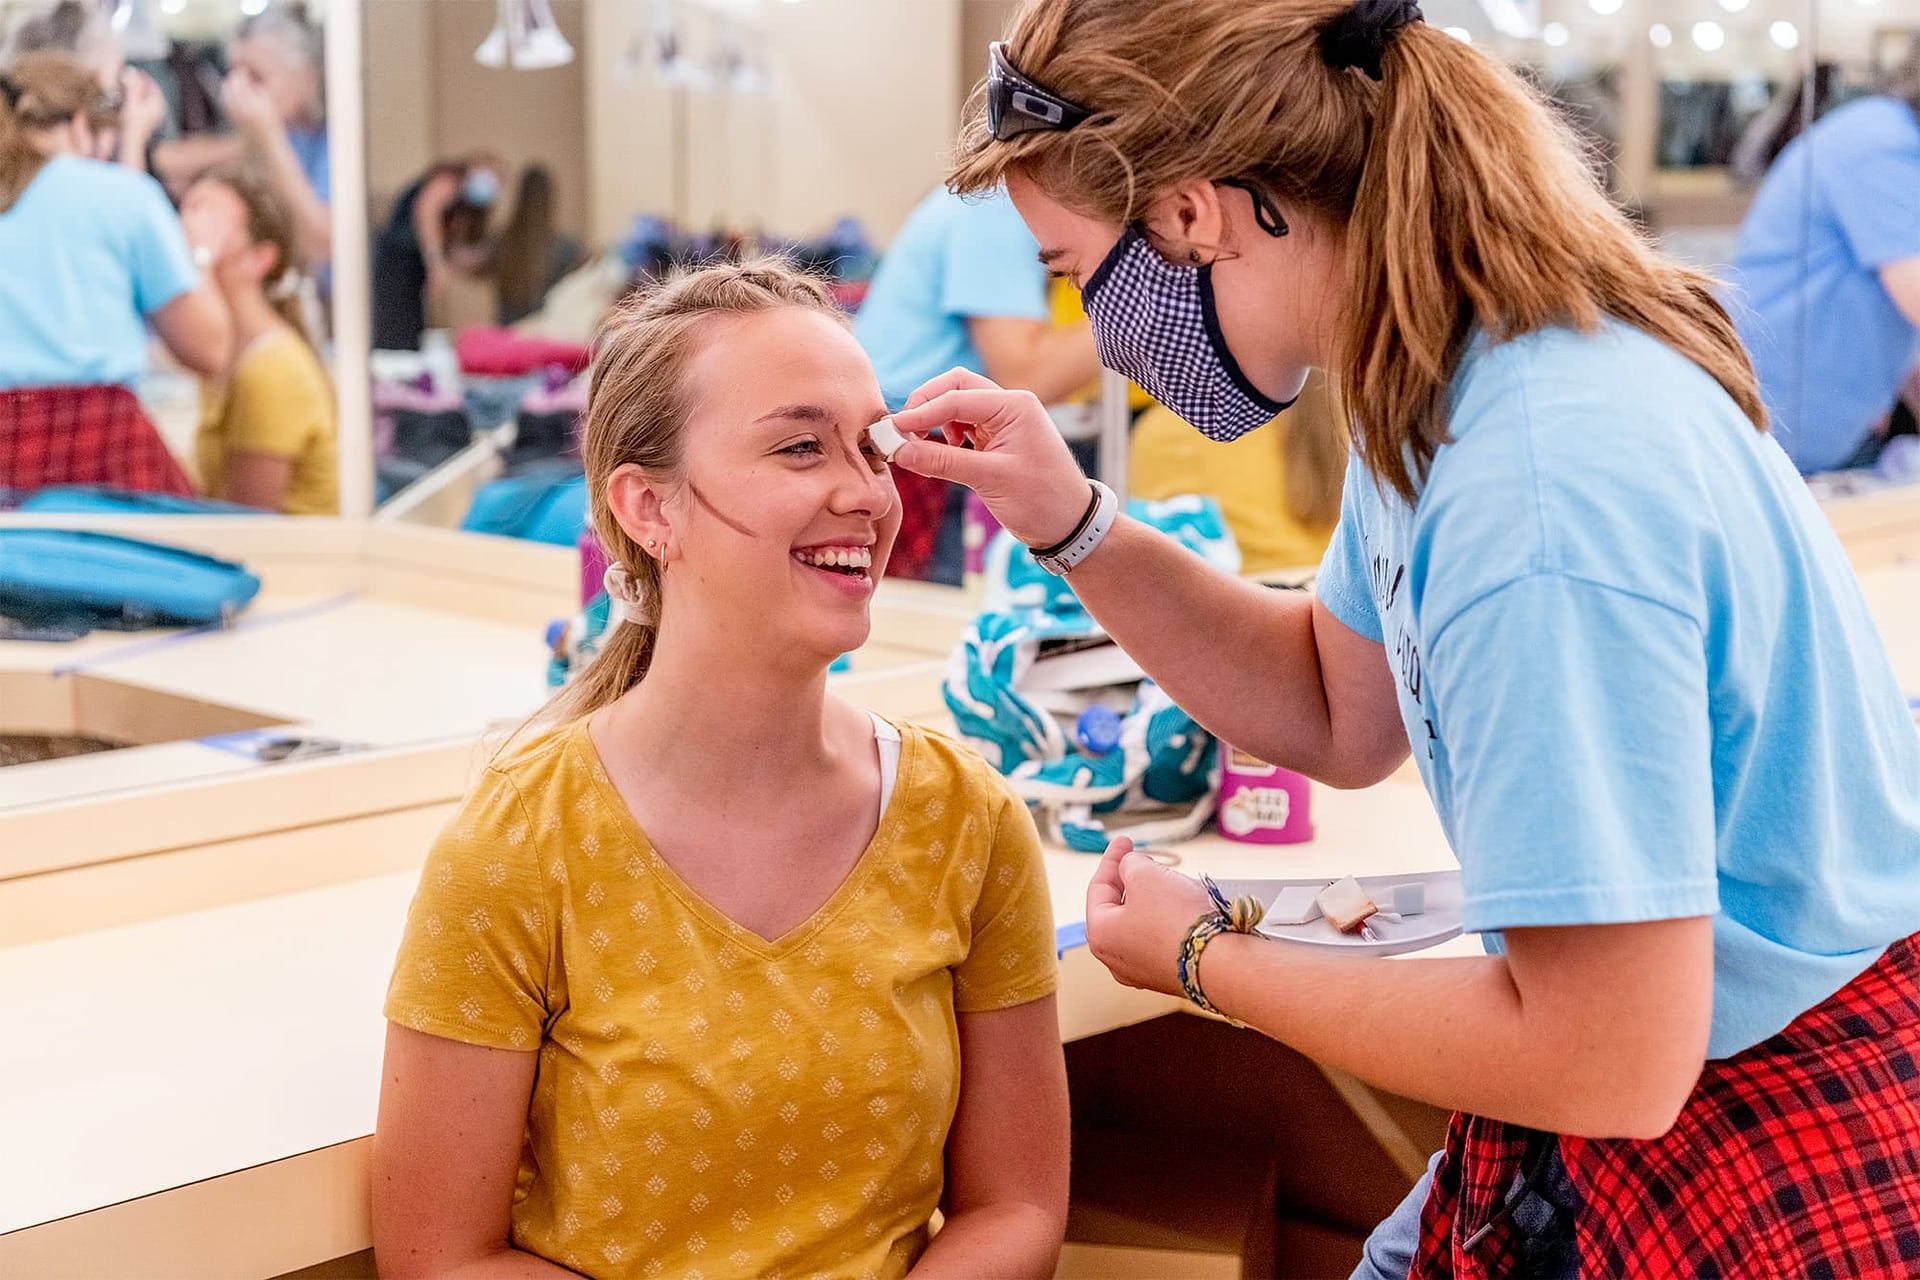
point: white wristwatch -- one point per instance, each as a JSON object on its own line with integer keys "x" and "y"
{"x": 1059, "y": 560}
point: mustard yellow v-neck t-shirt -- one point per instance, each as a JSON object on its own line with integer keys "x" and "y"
{"x": 709, "y": 1103}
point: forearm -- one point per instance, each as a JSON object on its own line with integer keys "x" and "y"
{"x": 179, "y": 162}
{"x": 1238, "y": 657}
{"x": 1452, "y": 1032}
{"x": 998, "y": 1240}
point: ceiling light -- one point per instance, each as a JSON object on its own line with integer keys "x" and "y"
{"x": 1461, "y": 34}
{"x": 1785, "y": 34}
{"x": 1555, "y": 34}
{"x": 1661, "y": 35}
{"x": 1708, "y": 36}
{"x": 1605, "y": 7}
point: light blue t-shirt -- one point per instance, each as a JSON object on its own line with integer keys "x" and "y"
{"x": 1638, "y": 674}
{"x": 91, "y": 250}
{"x": 954, "y": 259}
{"x": 1830, "y": 346}
{"x": 310, "y": 149}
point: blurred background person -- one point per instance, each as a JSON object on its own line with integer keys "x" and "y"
{"x": 439, "y": 229}
{"x": 93, "y": 254}
{"x": 273, "y": 97}
{"x": 530, "y": 256}
{"x": 267, "y": 433}
{"x": 79, "y": 31}
{"x": 1828, "y": 276}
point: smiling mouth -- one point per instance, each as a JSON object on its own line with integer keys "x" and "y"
{"x": 851, "y": 562}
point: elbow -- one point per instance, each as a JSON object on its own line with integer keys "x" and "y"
{"x": 1639, "y": 1103}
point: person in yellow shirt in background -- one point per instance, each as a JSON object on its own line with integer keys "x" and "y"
{"x": 1279, "y": 488}
{"x": 267, "y": 426}
{"x": 715, "y": 974}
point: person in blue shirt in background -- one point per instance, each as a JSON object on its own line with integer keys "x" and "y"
{"x": 1826, "y": 281}
{"x": 273, "y": 96}
{"x": 93, "y": 254}
{"x": 962, "y": 287}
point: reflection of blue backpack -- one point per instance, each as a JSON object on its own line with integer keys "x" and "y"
{"x": 1096, "y": 749}
{"x": 541, "y": 504}
{"x": 74, "y": 581}
{"x": 91, "y": 499}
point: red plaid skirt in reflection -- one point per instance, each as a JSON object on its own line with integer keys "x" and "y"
{"x": 1797, "y": 1157}
{"x": 83, "y": 435}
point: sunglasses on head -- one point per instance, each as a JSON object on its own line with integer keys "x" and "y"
{"x": 1016, "y": 105}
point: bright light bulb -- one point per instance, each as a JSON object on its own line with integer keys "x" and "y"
{"x": 1661, "y": 35}
{"x": 1785, "y": 34}
{"x": 1461, "y": 34}
{"x": 1708, "y": 36}
{"x": 1555, "y": 34}
{"x": 1604, "y": 7}
{"x": 253, "y": 8}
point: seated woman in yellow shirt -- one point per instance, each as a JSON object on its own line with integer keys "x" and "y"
{"x": 267, "y": 425}
{"x": 715, "y": 974}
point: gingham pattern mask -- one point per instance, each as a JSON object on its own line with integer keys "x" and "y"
{"x": 1154, "y": 321}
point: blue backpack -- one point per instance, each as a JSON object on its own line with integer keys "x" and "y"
{"x": 542, "y": 504}
{"x": 70, "y": 581}
{"x": 90, "y": 499}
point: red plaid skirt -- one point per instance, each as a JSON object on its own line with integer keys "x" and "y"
{"x": 83, "y": 435}
{"x": 1797, "y": 1157}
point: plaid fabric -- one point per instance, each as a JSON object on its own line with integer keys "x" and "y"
{"x": 1799, "y": 1156}
{"x": 83, "y": 435}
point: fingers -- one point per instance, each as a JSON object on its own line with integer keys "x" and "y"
{"x": 939, "y": 461}
{"x": 951, "y": 380}
{"x": 1107, "y": 889}
{"x": 988, "y": 407}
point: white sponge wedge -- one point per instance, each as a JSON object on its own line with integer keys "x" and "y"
{"x": 886, "y": 438}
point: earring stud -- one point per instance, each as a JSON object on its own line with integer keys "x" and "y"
{"x": 1193, "y": 255}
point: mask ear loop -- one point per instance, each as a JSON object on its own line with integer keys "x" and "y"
{"x": 1265, "y": 213}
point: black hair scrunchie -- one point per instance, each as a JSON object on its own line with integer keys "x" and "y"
{"x": 1359, "y": 36}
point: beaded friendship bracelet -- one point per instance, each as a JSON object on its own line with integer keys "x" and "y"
{"x": 1241, "y": 915}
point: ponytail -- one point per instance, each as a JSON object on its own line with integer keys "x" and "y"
{"x": 1475, "y": 208}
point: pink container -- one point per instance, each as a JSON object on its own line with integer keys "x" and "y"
{"x": 1262, "y": 803}
{"x": 593, "y": 564}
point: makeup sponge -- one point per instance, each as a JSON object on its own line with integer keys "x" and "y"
{"x": 886, "y": 438}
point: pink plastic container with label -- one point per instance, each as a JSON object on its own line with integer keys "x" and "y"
{"x": 1262, "y": 803}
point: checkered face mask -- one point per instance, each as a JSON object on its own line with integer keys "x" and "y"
{"x": 1154, "y": 321}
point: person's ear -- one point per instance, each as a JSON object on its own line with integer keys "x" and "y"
{"x": 1190, "y": 223}
{"x": 639, "y": 507}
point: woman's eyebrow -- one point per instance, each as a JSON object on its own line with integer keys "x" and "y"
{"x": 799, "y": 413}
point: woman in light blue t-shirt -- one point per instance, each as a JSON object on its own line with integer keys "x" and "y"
{"x": 1573, "y": 576}
{"x": 93, "y": 254}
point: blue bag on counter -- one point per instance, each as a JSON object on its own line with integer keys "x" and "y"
{"x": 75, "y": 581}
{"x": 91, "y": 500}
{"x": 545, "y": 504}
{"x": 1094, "y": 748}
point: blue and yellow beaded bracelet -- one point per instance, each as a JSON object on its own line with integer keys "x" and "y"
{"x": 1241, "y": 915}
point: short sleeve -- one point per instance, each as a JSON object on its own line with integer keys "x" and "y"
{"x": 1010, "y": 959}
{"x": 1342, "y": 583}
{"x": 1576, "y": 724}
{"x": 159, "y": 261}
{"x": 992, "y": 266}
{"x": 1871, "y": 173}
{"x": 269, "y": 409}
{"x": 475, "y": 959}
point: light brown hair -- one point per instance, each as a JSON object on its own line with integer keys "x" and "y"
{"x": 40, "y": 91}
{"x": 1463, "y": 199}
{"x": 269, "y": 221}
{"x": 637, "y": 410}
